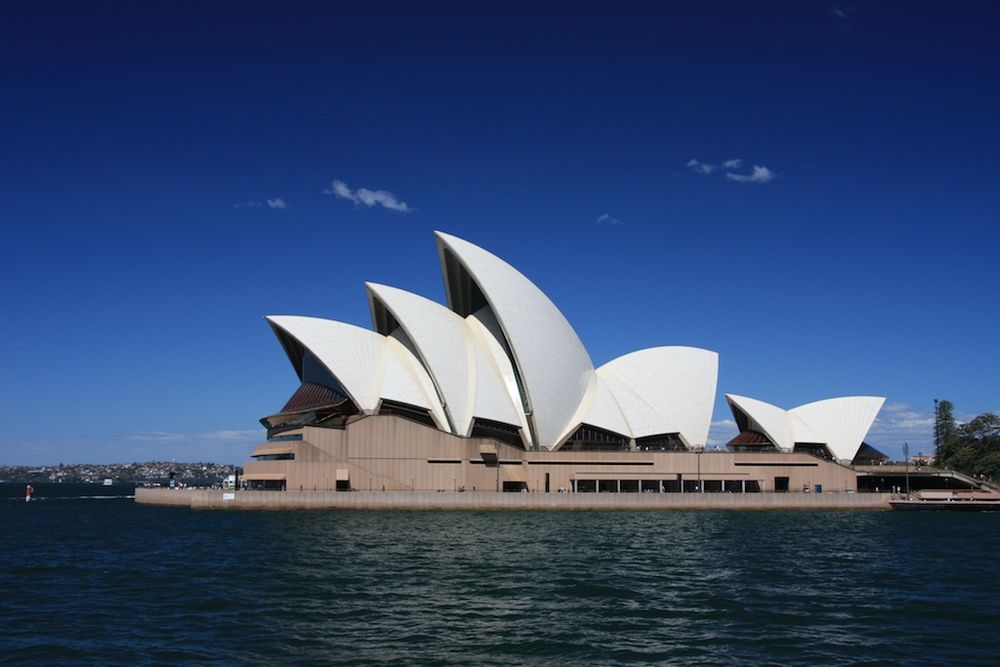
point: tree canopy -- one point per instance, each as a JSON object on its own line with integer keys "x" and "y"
{"x": 974, "y": 447}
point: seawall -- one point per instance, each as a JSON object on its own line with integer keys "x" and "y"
{"x": 422, "y": 500}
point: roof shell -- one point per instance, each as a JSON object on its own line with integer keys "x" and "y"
{"x": 369, "y": 366}
{"x": 465, "y": 369}
{"x": 669, "y": 389}
{"x": 554, "y": 367}
{"x": 842, "y": 423}
{"x": 839, "y": 423}
{"x": 441, "y": 343}
{"x": 769, "y": 419}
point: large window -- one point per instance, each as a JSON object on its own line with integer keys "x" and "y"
{"x": 486, "y": 428}
{"x": 592, "y": 439}
{"x": 406, "y": 410}
{"x": 664, "y": 442}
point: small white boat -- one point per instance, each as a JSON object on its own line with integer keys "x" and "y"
{"x": 108, "y": 481}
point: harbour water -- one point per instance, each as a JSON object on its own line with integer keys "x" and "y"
{"x": 106, "y": 581}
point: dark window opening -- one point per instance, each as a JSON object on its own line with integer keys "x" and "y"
{"x": 285, "y": 438}
{"x": 407, "y": 411}
{"x": 781, "y": 484}
{"x": 486, "y": 428}
{"x": 289, "y": 456}
{"x": 266, "y": 485}
{"x": 869, "y": 456}
{"x": 817, "y": 449}
{"x": 293, "y": 348}
{"x": 384, "y": 321}
{"x": 311, "y": 405}
{"x": 514, "y": 487}
{"x": 589, "y": 438}
{"x": 464, "y": 295}
{"x": 663, "y": 442}
{"x": 742, "y": 421}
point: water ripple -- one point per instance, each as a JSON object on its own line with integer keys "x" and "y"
{"x": 110, "y": 582}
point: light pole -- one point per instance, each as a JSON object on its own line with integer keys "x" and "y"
{"x": 699, "y": 450}
{"x": 906, "y": 464}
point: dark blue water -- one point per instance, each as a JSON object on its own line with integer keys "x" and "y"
{"x": 111, "y": 582}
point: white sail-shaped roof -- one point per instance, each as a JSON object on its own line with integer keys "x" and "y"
{"x": 603, "y": 410}
{"x": 370, "y": 367}
{"x": 496, "y": 396}
{"x": 839, "y": 423}
{"x": 501, "y": 352}
{"x": 463, "y": 362}
{"x": 765, "y": 418}
{"x": 554, "y": 368}
{"x": 842, "y": 423}
{"x": 665, "y": 390}
{"x": 441, "y": 343}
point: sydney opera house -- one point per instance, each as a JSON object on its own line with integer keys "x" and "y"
{"x": 496, "y": 392}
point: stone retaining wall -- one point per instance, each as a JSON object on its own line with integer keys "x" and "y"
{"x": 401, "y": 500}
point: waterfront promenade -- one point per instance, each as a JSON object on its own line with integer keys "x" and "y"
{"x": 427, "y": 500}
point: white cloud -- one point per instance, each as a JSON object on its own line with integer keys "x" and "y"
{"x": 841, "y": 13}
{"x": 761, "y": 174}
{"x": 700, "y": 167}
{"x": 340, "y": 189}
{"x": 277, "y": 202}
{"x": 606, "y": 219}
{"x": 366, "y": 197}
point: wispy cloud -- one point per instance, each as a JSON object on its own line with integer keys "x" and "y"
{"x": 367, "y": 198}
{"x": 701, "y": 167}
{"x": 841, "y": 12}
{"x": 606, "y": 219}
{"x": 277, "y": 202}
{"x": 760, "y": 174}
{"x": 898, "y": 423}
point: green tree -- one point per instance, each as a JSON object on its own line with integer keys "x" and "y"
{"x": 944, "y": 425}
{"x": 974, "y": 448}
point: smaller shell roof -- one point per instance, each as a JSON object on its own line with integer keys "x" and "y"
{"x": 839, "y": 423}
{"x": 669, "y": 389}
{"x": 842, "y": 423}
{"x": 368, "y": 366}
{"x": 765, "y": 418}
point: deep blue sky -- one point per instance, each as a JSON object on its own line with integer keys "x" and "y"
{"x": 141, "y": 144}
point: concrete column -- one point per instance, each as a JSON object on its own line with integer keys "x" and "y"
{"x": 743, "y": 486}
{"x": 619, "y": 486}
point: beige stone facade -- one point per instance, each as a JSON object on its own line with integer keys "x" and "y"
{"x": 393, "y": 453}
